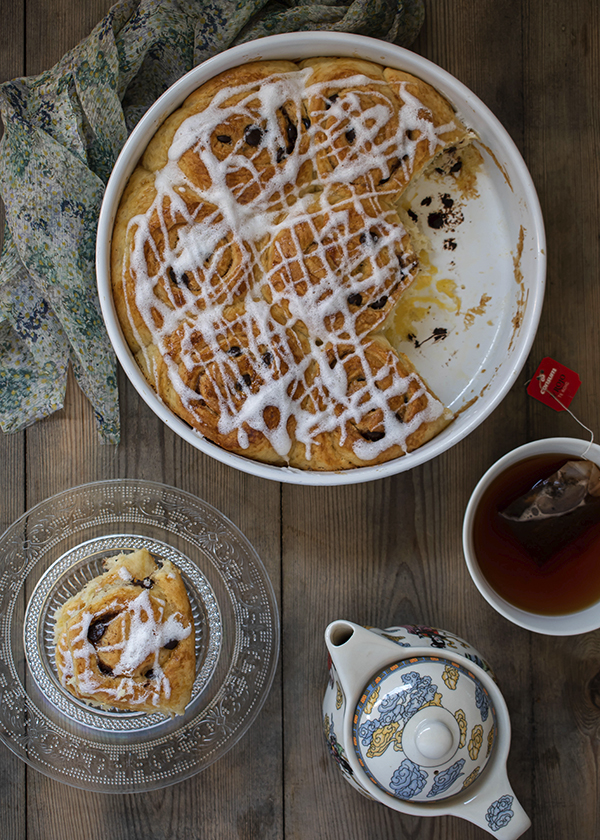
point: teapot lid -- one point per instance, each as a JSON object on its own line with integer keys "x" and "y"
{"x": 424, "y": 728}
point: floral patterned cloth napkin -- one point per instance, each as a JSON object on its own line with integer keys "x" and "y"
{"x": 63, "y": 132}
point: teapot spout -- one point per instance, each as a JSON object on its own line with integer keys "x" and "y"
{"x": 357, "y": 653}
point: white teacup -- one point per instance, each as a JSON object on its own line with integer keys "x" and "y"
{"x": 567, "y": 624}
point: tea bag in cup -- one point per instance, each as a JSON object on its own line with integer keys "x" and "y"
{"x": 557, "y": 510}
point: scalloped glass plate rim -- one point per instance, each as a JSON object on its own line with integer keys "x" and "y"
{"x": 14, "y": 695}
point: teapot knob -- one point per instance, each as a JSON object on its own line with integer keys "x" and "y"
{"x": 431, "y": 736}
{"x": 434, "y": 740}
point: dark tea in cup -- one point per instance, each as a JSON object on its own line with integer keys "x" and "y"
{"x": 531, "y": 536}
{"x": 547, "y": 564}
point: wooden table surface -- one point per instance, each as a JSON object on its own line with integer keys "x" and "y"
{"x": 381, "y": 553}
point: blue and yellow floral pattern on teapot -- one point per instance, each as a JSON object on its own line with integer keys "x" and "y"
{"x": 424, "y": 728}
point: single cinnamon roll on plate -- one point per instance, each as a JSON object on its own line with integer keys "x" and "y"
{"x": 126, "y": 641}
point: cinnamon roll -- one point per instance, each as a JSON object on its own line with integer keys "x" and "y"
{"x": 341, "y": 266}
{"x": 376, "y": 128}
{"x": 126, "y": 641}
{"x": 241, "y": 136}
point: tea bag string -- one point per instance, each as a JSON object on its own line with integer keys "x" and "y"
{"x": 577, "y": 420}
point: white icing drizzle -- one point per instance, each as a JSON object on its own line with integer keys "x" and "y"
{"x": 226, "y": 225}
{"x": 144, "y": 634}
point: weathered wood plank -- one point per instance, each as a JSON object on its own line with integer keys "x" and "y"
{"x": 12, "y": 447}
{"x": 562, "y": 145}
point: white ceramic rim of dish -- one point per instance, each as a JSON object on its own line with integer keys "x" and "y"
{"x": 568, "y": 624}
{"x": 301, "y": 45}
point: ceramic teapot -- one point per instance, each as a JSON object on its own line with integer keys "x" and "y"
{"x": 414, "y": 719}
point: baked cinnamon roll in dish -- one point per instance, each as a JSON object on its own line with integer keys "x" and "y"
{"x": 126, "y": 641}
{"x": 258, "y": 253}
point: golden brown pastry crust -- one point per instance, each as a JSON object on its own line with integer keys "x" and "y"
{"x": 126, "y": 641}
{"x": 257, "y": 252}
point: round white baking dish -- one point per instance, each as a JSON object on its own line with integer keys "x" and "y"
{"x": 500, "y": 268}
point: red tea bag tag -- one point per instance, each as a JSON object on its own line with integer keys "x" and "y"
{"x": 554, "y": 384}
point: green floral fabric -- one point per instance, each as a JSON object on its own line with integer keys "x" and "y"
{"x": 63, "y": 131}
